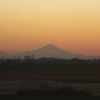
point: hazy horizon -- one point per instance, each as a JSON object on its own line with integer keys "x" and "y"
{"x": 51, "y": 47}
{"x": 72, "y": 25}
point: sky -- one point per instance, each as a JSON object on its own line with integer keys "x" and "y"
{"x": 73, "y": 25}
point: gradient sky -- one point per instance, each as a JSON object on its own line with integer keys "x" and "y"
{"x": 73, "y": 25}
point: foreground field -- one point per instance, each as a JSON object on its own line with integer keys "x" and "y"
{"x": 50, "y": 74}
{"x": 47, "y": 97}
{"x": 11, "y": 86}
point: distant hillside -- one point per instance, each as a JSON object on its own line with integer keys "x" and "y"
{"x": 52, "y": 51}
{"x": 47, "y": 51}
{"x": 4, "y": 55}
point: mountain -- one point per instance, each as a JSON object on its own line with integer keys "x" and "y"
{"x": 47, "y": 51}
{"x": 4, "y": 55}
{"x": 51, "y": 51}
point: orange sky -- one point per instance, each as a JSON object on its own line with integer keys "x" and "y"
{"x": 73, "y": 25}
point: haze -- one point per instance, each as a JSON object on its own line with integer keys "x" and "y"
{"x": 73, "y": 25}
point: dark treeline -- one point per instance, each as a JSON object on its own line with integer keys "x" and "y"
{"x": 44, "y": 60}
{"x": 50, "y": 67}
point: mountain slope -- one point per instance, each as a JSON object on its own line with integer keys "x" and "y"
{"x": 52, "y": 51}
{"x": 47, "y": 51}
{"x": 4, "y": 55}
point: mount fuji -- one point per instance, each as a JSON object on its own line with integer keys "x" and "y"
{"x": 53, "y": 51}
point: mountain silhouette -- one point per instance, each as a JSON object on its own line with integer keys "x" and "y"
{"x": 4, "y": 55}
{"x": 48, "y": 51}
{"x": 53, "y": 51}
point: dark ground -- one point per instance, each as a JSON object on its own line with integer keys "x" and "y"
{"x": 84, "y": 70}
{"x": 46, "y": 97}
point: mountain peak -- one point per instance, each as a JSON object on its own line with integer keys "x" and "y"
{"x": 51, "y": 50}
{"x": 50, "y": 47}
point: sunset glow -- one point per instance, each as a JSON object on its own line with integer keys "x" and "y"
{"x": 73, "y": 25}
